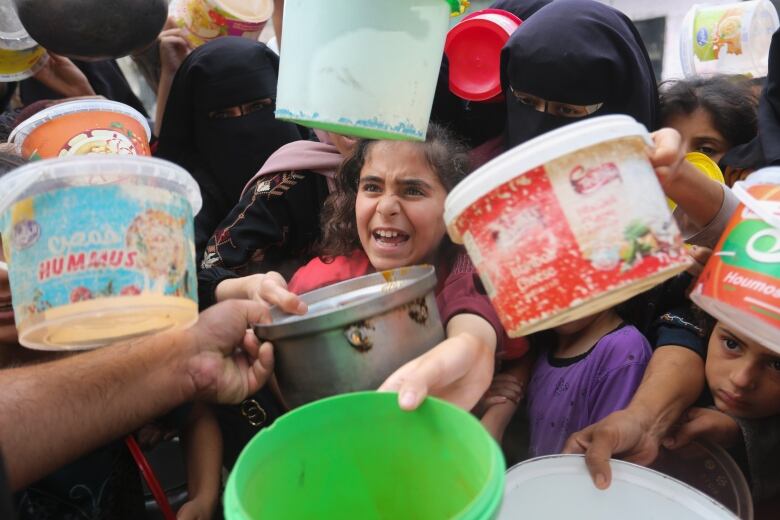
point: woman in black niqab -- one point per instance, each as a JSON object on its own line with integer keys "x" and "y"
{"x": 219, "y": 123}
{"x": 575, "y": 52}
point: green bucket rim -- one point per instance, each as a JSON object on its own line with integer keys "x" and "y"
{"x": 485, "y": 504}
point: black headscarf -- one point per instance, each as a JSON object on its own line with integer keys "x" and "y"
{"x": 579, "y": 52}
{"x": 764, "y": 149}
{"x": 520, "y": 8}
{"x": 105, "y": 77}
{"x": 223, "y": 154}
{"x": 476, "y": 122}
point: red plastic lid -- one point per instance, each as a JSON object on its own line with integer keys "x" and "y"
{"x": 473, "y": 48}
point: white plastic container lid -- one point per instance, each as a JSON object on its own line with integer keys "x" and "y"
{"x": 27, "y": 126}
{"x": 534, "y": 153}
{"x": 559, "y": 486}
{"x": 12, "y": 34}
{"x": 21, "y": 182}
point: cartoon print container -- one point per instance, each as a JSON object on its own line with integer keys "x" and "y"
{"x": 84, "y": 127}
{"x": 740, "y": 284}
{"x": 205, "y": 20}
{"x": 99, "y": 249}
{"x": 728, "y": 39}
{"x": 566, "y": 225}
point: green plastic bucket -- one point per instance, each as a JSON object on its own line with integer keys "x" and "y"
{"x": 360, "y": 456}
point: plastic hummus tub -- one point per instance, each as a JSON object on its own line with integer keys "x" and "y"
{"x": 740, "y": 284}
{"x": 566, "y": 225}
{"x": 83, "y": 128}
{"x": 205, "y": 20}
{"x": 99, "y": 249}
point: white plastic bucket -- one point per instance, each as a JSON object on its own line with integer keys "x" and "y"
{"x": 362, "y": 68}
{"x": 566, "y": 225}
{"x": 20, "y": 56}
{"x": 728, "y": 39}
{"x": 559, "y": 486}
{"x": 99, "y": 249}
{"x": 205, "y": 20}
{"x": 740, "y": 284}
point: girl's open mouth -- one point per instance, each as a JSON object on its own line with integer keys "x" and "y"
{"x": 390, "y": 237}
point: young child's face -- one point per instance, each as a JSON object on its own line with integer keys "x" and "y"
{"x": 743, "y": 376}
{"x": 399, "y": 207}
{"x": 699, "y": 134}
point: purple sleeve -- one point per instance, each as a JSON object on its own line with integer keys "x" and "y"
{"x": 627, "y": 355}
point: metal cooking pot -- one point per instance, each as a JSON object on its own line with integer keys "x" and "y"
{"x": 93, "y": 29}
{"x": 355, "y": 334}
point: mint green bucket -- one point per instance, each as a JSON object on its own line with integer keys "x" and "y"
{"x": 359, "y": 456}
{"x": 365, "y": 68}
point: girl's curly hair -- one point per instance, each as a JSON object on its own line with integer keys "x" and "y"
{"x": 447, "y": 156}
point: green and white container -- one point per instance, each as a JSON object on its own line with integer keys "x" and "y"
{"x": 362, "y": 68}
{"x": 728, "y": 39}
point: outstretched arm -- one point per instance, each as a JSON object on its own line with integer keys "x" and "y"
{"x": 672, "y": 382}
{"x": 54, "y": 412}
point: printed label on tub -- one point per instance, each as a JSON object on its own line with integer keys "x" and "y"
{"x": 205, "y": 22}
{"x": 570, "y": 231}
{"x": 744, "y": 271}
{"x": 117, "y": 240}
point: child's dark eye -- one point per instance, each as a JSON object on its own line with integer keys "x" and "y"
{"x": 371, "y": 187}
{"x": 707, "y": 150}
{"x": 415, "y": 192}
{"x": 775, "y": 364}
{"x": 731, "y": 344}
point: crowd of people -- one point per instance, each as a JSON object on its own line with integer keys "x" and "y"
{"x": 288, "y": 210}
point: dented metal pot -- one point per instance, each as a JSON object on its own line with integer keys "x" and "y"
{"x": 355, "y": 334}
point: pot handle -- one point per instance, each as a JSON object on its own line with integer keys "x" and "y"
{"x": 358, "y": 336}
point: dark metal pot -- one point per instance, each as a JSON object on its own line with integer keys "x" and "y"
{"x": 355, "y": 334}
{"x": 93, "y": 29}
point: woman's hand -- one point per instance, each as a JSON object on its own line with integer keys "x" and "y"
{"x": 64, "y": 77}
{"x": 174, "y": 47}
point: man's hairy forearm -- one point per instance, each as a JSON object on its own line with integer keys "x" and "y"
{"x": 672, "y": 383}
{"x": 54, "y": 412}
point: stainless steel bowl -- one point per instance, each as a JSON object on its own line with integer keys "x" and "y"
{"x": 355, "y": 334}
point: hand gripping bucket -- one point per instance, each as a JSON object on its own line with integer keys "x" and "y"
{"x": 360, "y": 456}
{"x": 566, "y": 225}
{"x": 362, "y": 68}
{"x": 99, "y": 249}
{"x": 728, "y": 39}
{"x": 740, "y": 284}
